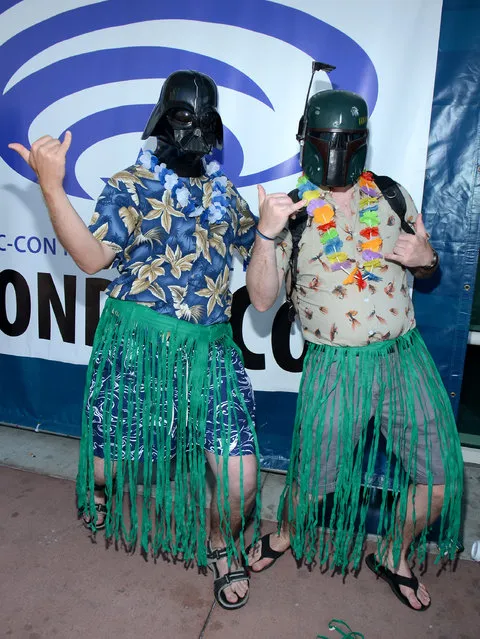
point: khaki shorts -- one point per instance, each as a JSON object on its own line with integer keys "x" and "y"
{"x": 390, "y": 417}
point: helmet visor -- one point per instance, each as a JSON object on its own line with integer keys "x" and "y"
{"x": 336, "y": 148}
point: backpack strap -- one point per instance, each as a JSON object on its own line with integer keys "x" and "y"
{"x": 296, "y": 227}
{"x": 394, "y": 196}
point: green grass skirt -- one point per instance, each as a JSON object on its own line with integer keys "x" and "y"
{"x": 404, "y": 369}
{"x": 160, "y": 348}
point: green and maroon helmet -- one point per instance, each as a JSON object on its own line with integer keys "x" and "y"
{"x": 333, "y": 136}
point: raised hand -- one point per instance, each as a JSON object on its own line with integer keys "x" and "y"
{"x": 47, "y": 158}
{"x": 412, "y": 251}
{"x": 274, "y": 210}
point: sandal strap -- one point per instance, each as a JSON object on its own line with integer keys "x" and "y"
{"x": 221, "y": 583}
{"x": 101, "y": 509}
{"x": 231, "y": 577}
{"x": 399, "y": 580}
{"x": 215, "y": 554}
{"x": 267, "y": 551}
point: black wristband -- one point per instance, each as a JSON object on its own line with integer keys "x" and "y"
{"x": 264, "y": 237}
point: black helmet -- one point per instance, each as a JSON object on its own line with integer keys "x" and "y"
{"x": 186, "y": 115}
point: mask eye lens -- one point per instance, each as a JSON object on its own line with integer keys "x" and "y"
{"x": 336, "y": 139}
{"x": 326, "y": 136}
{"x": 182, "y": 116}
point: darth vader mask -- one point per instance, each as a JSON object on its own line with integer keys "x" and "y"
{"x": 186, "y": 115}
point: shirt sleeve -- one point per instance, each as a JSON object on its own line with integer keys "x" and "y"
{"x": 283, "y": 249}
{"x": 245, "y": 230}
{"x": 411, "y": 213}
{"x": 284, "y": 243}
{"x": 115, "y": 217}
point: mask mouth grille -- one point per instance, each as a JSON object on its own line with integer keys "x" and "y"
{"x": 190, "y": 142}
{"x": 336, "y": 168}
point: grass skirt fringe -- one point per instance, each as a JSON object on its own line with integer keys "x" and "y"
{"x": 172, "y": 360}
{"x": 402, "y": 371}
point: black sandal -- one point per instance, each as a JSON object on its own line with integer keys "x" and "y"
{"x": 101, "y": 509}
{"x": 220, "y": 583}
{"x": 395, "y": 581}
{"x": 266, "y": 552}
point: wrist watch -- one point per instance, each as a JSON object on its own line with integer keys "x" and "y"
{"x": 433, "y": 263}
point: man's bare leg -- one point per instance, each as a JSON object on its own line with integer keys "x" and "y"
{"x": 410, "y": 531}
{"x": 238, "y": 589}
{"x": 278, "y": 541}
{"x": 100, "y": 480}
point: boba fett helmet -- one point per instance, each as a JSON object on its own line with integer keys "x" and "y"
{"x": 333, "y": 136}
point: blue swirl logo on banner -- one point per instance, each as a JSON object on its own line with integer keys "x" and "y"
{"x": 28, "y": 88}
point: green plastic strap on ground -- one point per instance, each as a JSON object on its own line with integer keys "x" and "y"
{"x": 335, "y": 624}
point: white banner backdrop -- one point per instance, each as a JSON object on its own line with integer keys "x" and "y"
{"x": 89, "y": 79}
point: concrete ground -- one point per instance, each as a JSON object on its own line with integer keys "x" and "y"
{"x": 56, "y": 583}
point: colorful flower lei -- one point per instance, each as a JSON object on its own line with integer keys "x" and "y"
{"x": 324, "y": 216}
{"x": 180, "y": 189}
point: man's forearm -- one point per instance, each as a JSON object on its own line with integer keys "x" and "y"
{"x": 262, "y": 275}
{"x": 87, "y": 252}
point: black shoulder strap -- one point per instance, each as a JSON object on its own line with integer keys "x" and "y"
{"x": 394, "y": 196}
{"x": 296, "y": 227}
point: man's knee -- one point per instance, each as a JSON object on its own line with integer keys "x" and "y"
{"x": 438, "y": 493}
{"x": 99, "y": 470}
{"x": 250, "y": 475}
{"x": 245, "y": 466}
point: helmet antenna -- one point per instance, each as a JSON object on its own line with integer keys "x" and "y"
{"x": 302, "y": 130}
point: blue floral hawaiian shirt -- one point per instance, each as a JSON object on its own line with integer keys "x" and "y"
{"x": 174, "y": 238}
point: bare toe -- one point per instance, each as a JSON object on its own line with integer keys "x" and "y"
{"x": 410, "y": 595}
{"x": 417, "y": 600}
{"x": 236, "y": 591}
{"x": 422, "y": 595}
